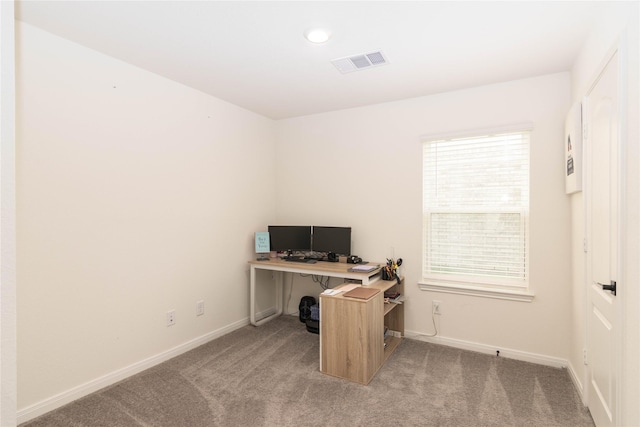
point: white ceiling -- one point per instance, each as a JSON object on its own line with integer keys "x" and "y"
{"x": 253, "y": 54}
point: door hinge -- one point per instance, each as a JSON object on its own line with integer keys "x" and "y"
{"x": 584, "y": 356}
{"x": 584, "y": 245}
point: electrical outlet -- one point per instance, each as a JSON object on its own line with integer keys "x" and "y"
{"x": 435, "y": 307}
{"x": 200, "y": 308}
{"x": 171, "y": 317}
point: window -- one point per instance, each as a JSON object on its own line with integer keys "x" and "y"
{"x": 475, "y": 214}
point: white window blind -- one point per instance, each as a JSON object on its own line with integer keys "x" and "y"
{"x": 475, "y": 209}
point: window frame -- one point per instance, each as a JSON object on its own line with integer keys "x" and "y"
{"x": 477, "y": 285}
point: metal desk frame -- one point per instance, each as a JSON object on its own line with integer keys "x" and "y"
{"x": 320, "y": 268}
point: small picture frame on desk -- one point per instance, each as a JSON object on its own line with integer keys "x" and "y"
{"x": 262, "y": 245}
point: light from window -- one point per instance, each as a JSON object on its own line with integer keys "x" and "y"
{"x": 475, "y": 210}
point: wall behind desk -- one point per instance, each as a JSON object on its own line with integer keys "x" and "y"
{"x": 362, "y": 168}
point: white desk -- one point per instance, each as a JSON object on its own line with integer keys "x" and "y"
{"x": 320, "y": 268}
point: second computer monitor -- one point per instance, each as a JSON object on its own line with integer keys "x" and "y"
{"x": 332, "y": 239}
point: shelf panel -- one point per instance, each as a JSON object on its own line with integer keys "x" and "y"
{"x": 391, "y": 344}
{"x": 388, "y": 307}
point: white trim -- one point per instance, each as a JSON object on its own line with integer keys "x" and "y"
{"x": 485, "y": 292}
{"x": 586, "y": 235}
{"x": 576, "y": 382}
{"x": 8, "y": 289}
{"x": 524, "y": 356}
{"x": 92, "y": 386}
{"x": 517, "y": 127}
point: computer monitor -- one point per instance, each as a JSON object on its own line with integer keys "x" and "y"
{"x": 285, "y": 238}
{"x": 332, "y": 239}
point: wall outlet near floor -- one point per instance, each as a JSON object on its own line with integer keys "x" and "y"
{"x": 171, "y": 317}
{"x": 200, "y": 308}
{"x": 435, "y": 307}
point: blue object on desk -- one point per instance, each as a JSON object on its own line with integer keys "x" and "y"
{"x": 262, "y": 245}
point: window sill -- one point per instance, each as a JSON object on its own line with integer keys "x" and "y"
{"x": 485, "y": 292}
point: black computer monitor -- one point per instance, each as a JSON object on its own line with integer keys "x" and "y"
{"x": 332, "y": 239}
{"x": 284, "y": 238}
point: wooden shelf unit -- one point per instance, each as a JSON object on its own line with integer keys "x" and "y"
{"x": 352, "y": 343}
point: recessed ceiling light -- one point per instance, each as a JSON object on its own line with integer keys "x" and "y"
{"x": 317, "y": 35}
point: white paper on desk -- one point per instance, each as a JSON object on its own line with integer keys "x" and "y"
{"x": 332, "y": 291}
{"x": 363, "y": 268}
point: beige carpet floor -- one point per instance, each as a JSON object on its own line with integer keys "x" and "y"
{"x": 268, "y": 376}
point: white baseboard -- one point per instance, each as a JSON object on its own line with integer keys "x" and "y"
{"x": 61, "y": 399}
{"x": 577, "y": 383}
{"x": 540, "y": 359}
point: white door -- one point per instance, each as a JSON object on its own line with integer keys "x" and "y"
{"x": 602, "y": 233}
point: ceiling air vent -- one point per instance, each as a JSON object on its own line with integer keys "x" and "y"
{"x": 360, "y": 62}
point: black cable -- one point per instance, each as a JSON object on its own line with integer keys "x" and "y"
{"x": 323, "y": 281}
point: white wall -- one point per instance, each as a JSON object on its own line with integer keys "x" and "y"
{"x": 136, "y": 195}
{"x": 7, "y": 218}
{"x": 362, "y": 168}
{"x": 617, "y": 29}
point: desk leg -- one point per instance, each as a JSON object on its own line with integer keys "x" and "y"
{"x": 252, "y": 298}
{"x": 252, "y": 295}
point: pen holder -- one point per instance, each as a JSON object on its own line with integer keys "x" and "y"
{"x": 388, "y": 274}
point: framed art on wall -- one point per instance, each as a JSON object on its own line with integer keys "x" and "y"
{"x": 573, "y": 149}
